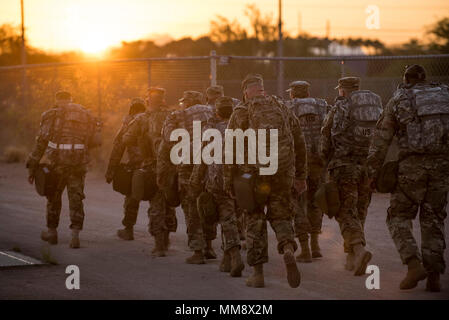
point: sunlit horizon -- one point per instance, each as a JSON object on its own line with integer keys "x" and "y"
{"x": 94, "y": 26}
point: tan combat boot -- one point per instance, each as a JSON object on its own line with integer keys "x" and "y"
{"x": 237, "y": 265}
{"x": 293, "y": 275}
{"x": 433, "y": 282}
{"x": 126, "y": 233}
{"x": 305, "y": 256}
{"x": 209, "y": 252}
{"x": 159, "y": 245}
{"x": 196, "y": 258}
{"x": 51, "y": 236}
{"x": 225, "y": 264}
{"x": 361, "y": 259}
{"x": 415, "y": 273}
{"x": 75, "y": 242}
{"x": 350, "y": 261}
{"x": 256, "y": 280}
{"x": 316, "y": 251}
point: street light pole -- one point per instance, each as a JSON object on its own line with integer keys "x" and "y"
{"x": 280, "y": 77}
{"x": 23, "y": 58}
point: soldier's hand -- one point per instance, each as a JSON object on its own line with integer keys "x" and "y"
{"x": 31, "y": 179}
{"x": 372, "y": 183}
{"x": 108, "y": 178}
{"x": 300, "y": 186}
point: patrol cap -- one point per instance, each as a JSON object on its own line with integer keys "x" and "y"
{"x": 298, "y": 86}
{"x": 348, "y": 83}
{"x": 223, "y": 102}
{"x": 251, "y": 79}
{"x": 156, "y": 90}
{"x": 415, "y": 71}
{"x": 191, "y": 95}
{"x": 63, "y": 95}
{"x": 214, "y": 91}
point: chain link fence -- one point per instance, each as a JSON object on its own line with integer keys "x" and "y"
{"x": 107, "y": 87}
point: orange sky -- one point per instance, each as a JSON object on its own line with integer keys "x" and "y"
{"x": 92, "y": 25}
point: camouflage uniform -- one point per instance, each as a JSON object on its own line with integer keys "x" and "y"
{"x": 130, "y": 205}
{"x": 144, "y": 133}
{"x": 177, "y": 120}
{"x": 279, "y": 205}
{"x": 310, "y": 113}
{"x": 418, "y": 115}
{"x": 345, "y": 145}
{"x": 225, "y": 205}
{"x": 65, "y": 136}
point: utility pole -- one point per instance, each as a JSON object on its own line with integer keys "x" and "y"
{"x": 23, "y": 58}
{"x": 280, "y": 78}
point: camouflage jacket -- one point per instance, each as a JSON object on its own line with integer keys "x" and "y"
{"x": 213, "y": 173}
{"x": 240, "y": 120}
{"x": 398, "y": 119}
{"x": 68, "y": 125}
{"x": 144, "y": 132}
{"x": 119, "y": 148}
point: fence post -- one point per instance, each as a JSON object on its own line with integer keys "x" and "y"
{"x": 213, "y": 68}
{"x": 342, "y": 68}
{"x": 149, "y": 73}
{"x": 99, "y": 88}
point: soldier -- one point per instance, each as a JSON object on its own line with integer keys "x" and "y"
{"x": 310, "y": 113}
{"x": 192, "y": 110}
{"x": 418, "y": 115}
{"x": 67, "y": 132}
{"x": 212, "y": 94}
{"x": 346, "y": 135}
{"x": 144, "y": 132}
{"x": 131, "y": 205}
{"x": 260, "y": 111}
{"x": 224, "y": 205}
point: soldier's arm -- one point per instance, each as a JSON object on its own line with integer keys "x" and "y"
{"x": 386, "y": 128}
{"x": 300, "y": 148}
{"x": 326, "y": 148}
{"x": 132, "y": 132}
{"x": 42, "y": 140}
{"x": 118, "y": 149}
{"x": 163, "y": 163}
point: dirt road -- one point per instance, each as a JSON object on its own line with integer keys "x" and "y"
{"x": 114, "y": 269}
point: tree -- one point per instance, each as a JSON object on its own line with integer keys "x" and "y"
{"x": 222, "y": 30}
{"x": 440, "y": 33}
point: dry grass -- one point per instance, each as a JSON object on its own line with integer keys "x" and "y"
{"x": 14, "y": 154}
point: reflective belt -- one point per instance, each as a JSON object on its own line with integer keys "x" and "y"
{"x": 76, "y": 146}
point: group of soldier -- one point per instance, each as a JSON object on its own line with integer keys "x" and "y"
{"x": 330, "y": 160}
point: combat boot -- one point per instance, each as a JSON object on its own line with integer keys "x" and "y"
{"x": 433, "y": 282}
{"x": 225, "y": 264}
{"x": 350, "y": 261}
{"x": 196, "y": 258}
{"x": 51, "y": 236}
{"x": 237, "y": 265}
{"x": 209, "y": 252}
{"x": 256, "y": 280}
{"x": 126, "y": 233}
{"x": 305, "y": 256}
{"x": 361, "y": 259}
{"x": 316, "y": 251}
{"x": 415, "y": 273}
{"x": 75, "y": 242}
{"x": 159, "y": 245}
{"x": 293, "y": 275}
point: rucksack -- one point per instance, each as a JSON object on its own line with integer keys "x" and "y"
{"x": 310, "y": 113}
{"x": 354, "y": 128}
{"x": 268, "y": 112}
{"x": 428, "y": 132}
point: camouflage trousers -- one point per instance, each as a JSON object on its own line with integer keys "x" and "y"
{"x": 355, "y": 197}
{"x": 423, "y": 183}
{"x": 73, "y": 179}
{"x": 279, "y": 212}
{"x": 227, "y": 218}
{"x": 308, "y": 217}
{"x": 241, "y": 221}
{"x": 161, "y": 216}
